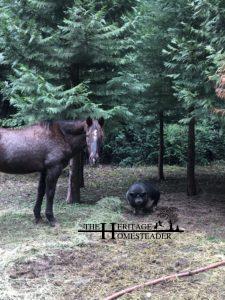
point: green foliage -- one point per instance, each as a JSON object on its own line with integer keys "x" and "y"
{"x": 131, "y": 145}
{"x": 61, "y": 59}
{"x": 175, "y": 144}
{"x": 37, "y": 99}
{"x": 135, "y": 145}
{"x": 127, "y": 60}
{"x": 188, "y": 59}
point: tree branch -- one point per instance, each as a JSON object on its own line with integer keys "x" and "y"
{"x": 165, "y": 278}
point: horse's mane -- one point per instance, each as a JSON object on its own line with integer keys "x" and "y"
{"x": 64, "y": 126}
{"x": 48, "y": 124}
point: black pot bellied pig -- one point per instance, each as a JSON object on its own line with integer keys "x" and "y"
{"x": 142, "y": 196}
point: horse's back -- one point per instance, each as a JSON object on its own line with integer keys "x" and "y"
{"x": 25, "y": 150}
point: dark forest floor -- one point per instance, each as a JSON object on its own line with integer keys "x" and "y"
{"x": 40, "y": 262}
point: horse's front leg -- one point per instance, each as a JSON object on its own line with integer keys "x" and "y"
{"x": 53, "y": 174}
{"x": 40, "y": 196}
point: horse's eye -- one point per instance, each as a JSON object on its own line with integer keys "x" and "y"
{"x": 132, "y": 194}
{"x": 143, "y": 194}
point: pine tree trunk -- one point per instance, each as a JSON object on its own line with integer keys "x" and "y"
{"x": 81, "y": 172}
{"x": 73, "y": 193}
{"x": 76, "y": 166}
{"x": 161, "y": 146}
{"x": 191, "y": 183}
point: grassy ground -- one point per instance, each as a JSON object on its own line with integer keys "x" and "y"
{"x": 40, "y": 262}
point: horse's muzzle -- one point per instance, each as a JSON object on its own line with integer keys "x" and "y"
{"x": 93, "y": 159}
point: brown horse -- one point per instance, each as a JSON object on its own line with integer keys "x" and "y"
{"x": 47, "y": 148}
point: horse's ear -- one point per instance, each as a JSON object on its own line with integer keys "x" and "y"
{"x": 101, "y": 121}
{"x": 89, "y": 121}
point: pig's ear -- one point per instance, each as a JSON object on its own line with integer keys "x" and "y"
{"x": 101, "y": 121}
{"x": 89, "y": 121}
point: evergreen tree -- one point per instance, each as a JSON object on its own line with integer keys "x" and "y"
{"x": 188, "y": 61}
{"x": 143, "y": 79}
{"x": 61, "y": 57}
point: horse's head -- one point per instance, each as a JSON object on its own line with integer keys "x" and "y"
{"x": 94, "y": 138}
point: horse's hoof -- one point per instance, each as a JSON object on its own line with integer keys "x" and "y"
{"x": 53, "y": 223}
{"x": 57, "y": 225}
{"x": 38, "y": 220}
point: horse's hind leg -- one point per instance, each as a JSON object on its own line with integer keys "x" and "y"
{"x": 40, "y": 196}
{"x": 51, "y": 180}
